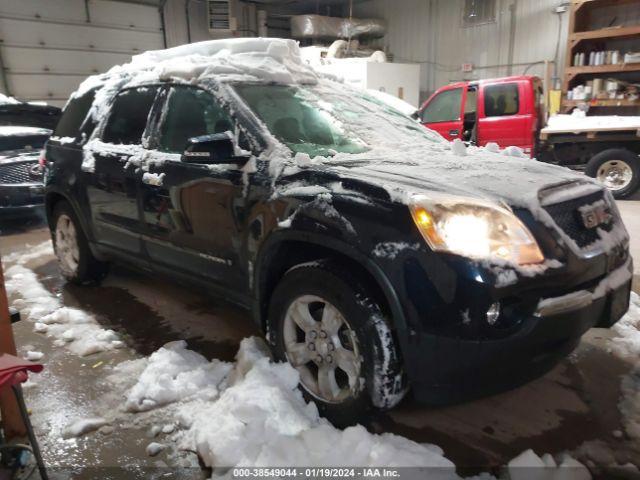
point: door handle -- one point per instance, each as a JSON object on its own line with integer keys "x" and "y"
{"x": 454, "y": 133}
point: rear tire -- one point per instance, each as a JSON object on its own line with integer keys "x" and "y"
{"x": 77, "y": 263}
{"x": 354, "y": 366}
{"x": 618, "y": 169}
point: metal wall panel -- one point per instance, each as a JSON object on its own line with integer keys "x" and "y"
{"x": 431, "y": 32}
{"x": 49, "y": 47}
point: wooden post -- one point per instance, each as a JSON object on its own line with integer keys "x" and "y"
{"x": 11, "y": 420}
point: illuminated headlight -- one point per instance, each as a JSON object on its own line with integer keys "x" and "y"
{"x": 474, "y": 228}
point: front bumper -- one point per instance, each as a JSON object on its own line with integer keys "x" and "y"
{"x": 16, "y": 200}
{"x": 455, "y": 369}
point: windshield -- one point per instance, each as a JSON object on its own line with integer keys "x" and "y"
{"x": 324, "y": 121}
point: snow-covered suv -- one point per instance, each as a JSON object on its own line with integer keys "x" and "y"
{"x": 376, "y": 255}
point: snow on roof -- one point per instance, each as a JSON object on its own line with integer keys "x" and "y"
{"x": 5, "y": 100}
{"x": 16, "y": 131}
{"x": 251, "y": 59}
{"x": 579, "y": 122}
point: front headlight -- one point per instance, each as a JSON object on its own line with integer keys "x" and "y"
{"x": 474, "y": 228}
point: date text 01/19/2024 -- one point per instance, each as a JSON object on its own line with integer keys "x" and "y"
{"x": 315, "y": 472}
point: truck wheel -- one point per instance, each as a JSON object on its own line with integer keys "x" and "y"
{"x": 77, "y": 263}
{"x": 617, "y": 169}
{"x": 325, "y": 324}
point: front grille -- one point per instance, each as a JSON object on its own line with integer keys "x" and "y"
{"x": 568, "y": 218}
{"x": 14, "y": 173}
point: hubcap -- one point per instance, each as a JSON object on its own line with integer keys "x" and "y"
{"x": 615, "y": 174}
{"x": 66, "y": 246}
{"x": 321, "y": 345}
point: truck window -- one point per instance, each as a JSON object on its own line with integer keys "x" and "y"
{"x": 128, "y": 117}
{"x": 501, "y": 100}
{"x": 445, "y": 107}
{"x": 74, "y": 119}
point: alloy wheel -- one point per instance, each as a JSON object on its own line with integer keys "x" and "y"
{"x": 321, "y": 345}
{"x": 66, "y": 246}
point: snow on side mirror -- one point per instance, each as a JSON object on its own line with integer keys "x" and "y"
{"x": 211, "y": 149}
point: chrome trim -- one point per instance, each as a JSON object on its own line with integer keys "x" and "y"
{"x": 564, "y": 304}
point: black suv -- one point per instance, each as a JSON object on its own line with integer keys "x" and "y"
{"x": 375, "y": 255}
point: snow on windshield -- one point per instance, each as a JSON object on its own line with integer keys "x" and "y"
{"x": 322, "y": 120}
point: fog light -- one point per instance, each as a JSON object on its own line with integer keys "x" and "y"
{"x": 493, "y": 313}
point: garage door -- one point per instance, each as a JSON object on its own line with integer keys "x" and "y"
{"x": 49, "y": 47}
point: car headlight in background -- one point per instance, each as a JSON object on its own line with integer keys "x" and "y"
{"x": 474, "y": 228}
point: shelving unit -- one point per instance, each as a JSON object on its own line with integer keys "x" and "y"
{"x": 581, "y": 35}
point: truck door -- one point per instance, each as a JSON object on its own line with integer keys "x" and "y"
{"x": 443, "y": 112}
{"x": 504, "y": 116}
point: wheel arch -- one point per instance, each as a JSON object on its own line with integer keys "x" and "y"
{"x": 286, "y": 250}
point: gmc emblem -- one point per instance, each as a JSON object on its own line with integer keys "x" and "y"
{"x": 595, "y": 215}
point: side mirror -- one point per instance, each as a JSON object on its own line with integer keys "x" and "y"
{"x": 416, "y": 115}
{"x": 211, "y": 149}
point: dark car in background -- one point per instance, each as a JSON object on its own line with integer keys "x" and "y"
{"x": 21, "y": 175}
{"x": 29, "y": 114}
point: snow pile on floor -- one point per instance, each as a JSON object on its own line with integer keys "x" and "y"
{"x": 262, "y": 419}
{"x": 29, "y": 253}
{"x": 577, "y": 121}
{"x": 628, "y": 329}
{"x": 82, "y": 426}
{"x": 529, "y": 466}
{"x": 174, "y": 373}
{"x": 72, "y": 327}
{"x": 627, "y": 345}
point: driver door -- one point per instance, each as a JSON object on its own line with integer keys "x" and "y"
{"x": 444, "y": 112}
{"x": 193, "y": 213}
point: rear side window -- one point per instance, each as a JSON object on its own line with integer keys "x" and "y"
{"x": 191, "y": 112}
{"x": 501, "y": 100}
{"x": 445, "y": 107}
{"x": 74, "y": 119}
{"x": 128, "y": 117}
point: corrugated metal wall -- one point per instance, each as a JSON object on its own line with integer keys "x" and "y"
{"x": 49, "y": 47}
{"x": 431, "y": 32}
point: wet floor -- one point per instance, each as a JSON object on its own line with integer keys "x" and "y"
{"x": 573, "y": 408}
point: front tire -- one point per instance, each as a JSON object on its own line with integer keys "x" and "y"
{"x": 324, "y": 322}
{"x": 77, "y": 263}
{"x": 617, "y": 169}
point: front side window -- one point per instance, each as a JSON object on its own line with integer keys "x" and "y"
{"x": 74, "y": 119}
{"x": 501, "y": 100}
{"x": 129, "y": 114}
{"x": 445, "y": 107}
{"x": 300, "y": 119}
{"x": 191, "y": 112}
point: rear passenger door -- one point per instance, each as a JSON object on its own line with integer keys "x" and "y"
{"x": 113, "y": 173}
{"x": 194, "y": 213}
{"x": 64, "y": 150}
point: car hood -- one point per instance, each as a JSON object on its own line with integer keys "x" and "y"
{"x": 11, "y": 156}
{"x": 479, "y": 174}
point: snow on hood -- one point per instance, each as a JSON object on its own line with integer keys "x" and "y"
{"x": 16, "y": 131}
{"x": 5, "y": 100}
{"x": 405, "y": 157}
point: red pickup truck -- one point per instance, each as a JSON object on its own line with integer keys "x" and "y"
{"x": 510, "y": 111}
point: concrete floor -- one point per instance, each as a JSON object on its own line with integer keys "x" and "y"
{"x": 573, "y": 408}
